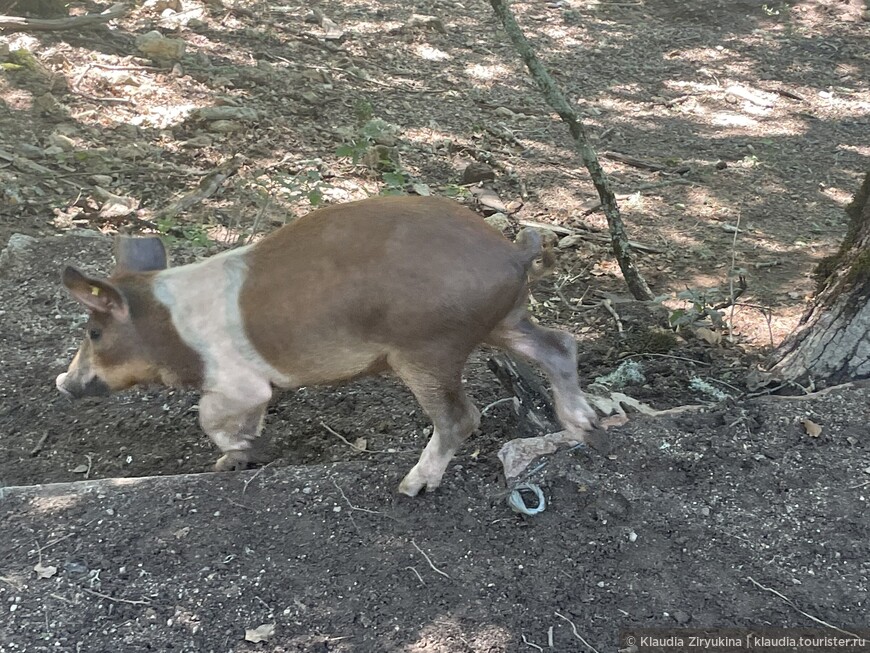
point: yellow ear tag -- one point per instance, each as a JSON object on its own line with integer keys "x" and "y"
{"x": 95, "y": 291}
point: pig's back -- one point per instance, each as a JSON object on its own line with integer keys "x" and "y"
{"x": 370, "y": 277}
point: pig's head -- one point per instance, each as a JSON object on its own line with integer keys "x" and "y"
{"x": 113, "y": 355}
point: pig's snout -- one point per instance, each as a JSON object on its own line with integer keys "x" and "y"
{"x": 71, "y": 387}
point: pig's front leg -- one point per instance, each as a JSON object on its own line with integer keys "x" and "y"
{"x": 235, "y": 426}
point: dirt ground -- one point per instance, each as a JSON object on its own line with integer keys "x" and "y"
{"x": 756, "y": 116}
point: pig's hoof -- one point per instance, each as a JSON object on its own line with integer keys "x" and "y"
{"x": 417, "y": 480}
{"x": 581, "y": 423}
{"x": 235, "y": 461}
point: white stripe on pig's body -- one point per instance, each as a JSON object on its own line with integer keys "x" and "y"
{"x": 203, "y": 300}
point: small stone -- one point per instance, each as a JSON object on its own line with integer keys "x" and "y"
{"x": 499, "y": 220}
{"x": 48, "y": 104}
{"x": 17, "y": 245}
{"x": 225, "y": 113}
{"x": 476, "y": 172}
{"x": 52, "y": 150}
{"x": 202, "y": 140}
{"x": 504, "y": 112}
{"x": 101, "y": 180}
{"x": 160, "y": 6}
{"x": 225, "y": 126}
{"x": 31, "y": 151}
{"x": 681, "y": 617}
{"x": 159, "y": 47}
{"x": 570, "y": 241}
{"x": 427, "y": 22}
{"x": 310, "y": 97}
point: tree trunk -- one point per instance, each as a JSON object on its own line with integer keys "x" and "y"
{"x": 832, "y": 343}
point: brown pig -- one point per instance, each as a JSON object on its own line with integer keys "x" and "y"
{"x": 409, "y": 285}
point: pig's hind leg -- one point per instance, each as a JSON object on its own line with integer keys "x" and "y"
{"x": 555, "y": 352}
{"x": 438, "y": 388}
{"x": 236, "y": 429}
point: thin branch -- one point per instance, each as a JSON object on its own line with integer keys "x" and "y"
{"x": 429, "y": 560}
{"x": 255, "y": 475}
{"x": 533, "y": 645}
{"x": 417, "y": 574}
{"x": 732, "y": 296}
{"x": 345, "y": 440}
{"x": 497, "y": 402}
{"x": 207, "y": 187}
{"x": 39, "y": 445}
{"x": 20, "y": 24}
{"x": 676, "y": 358}
{"x": 349, "y": 504}
{"x": 555, "y": 98}
{"x": 806, "y": 614}
{"x": 576, "y": 634}
{"x": 112, "y": 598}
{"x": 606, "y": 303}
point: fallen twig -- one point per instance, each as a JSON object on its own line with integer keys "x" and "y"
{"x": 533, "y": 645}
{"x": 116, "y": 600}
{"x": 567, "y": 231}
{"x": 55, "y": 541}
{"x": 207, "y": 187}
{"x": 806, "y": 614}
{"x": 606, "y": 303}
{"x": 676, "y": 358}
{"x": 255, "y": 475}
{"x": 343, "y": 439}
{"x": 789, "y": 94}
{"x": 732, "y": 296}
{"x": 634, "y": 162}
{"x": 35, "y": 451}
{"x": 429, "y": 560}
{"x": 21, "y": 24}
{"x": 349, "y": 504}
{"x": 417, "y": 574}
{"x": 576, "y": 634}
{"x": 497, "y": 402}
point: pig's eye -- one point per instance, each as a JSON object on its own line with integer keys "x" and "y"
{"x": 94, "y": 334}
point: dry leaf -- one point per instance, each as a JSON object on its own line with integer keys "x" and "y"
{"x": 260, "y": 633}
{"x": 813, "y": 429}
{"x": 81, "y": 469}
{"x": 708, "y": 335}
{"x": 360, "y": 444}
{"x": 43, "y": 571}
{"x": 181, "y": 532}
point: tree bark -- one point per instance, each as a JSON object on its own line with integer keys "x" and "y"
{"x": 556, "y": 99}
{"x": 832, "y": 342}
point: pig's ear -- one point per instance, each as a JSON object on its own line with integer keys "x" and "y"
{"x": 140, "y": 254}
{"x": 98, "y": 295}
